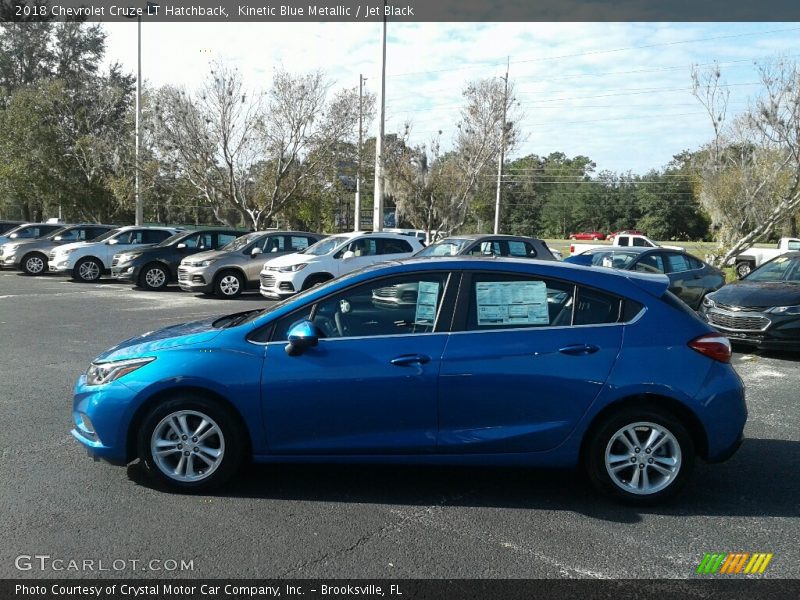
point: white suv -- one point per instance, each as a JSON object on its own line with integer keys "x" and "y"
{"x": 87, "y": 261}
{"x": 284, "y": 276}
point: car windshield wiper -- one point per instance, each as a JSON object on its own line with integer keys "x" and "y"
{"x": 242, "y": 317}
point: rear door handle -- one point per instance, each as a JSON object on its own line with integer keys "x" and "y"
{"x": 410, "y": 359}
{"x": 579, "y": 349}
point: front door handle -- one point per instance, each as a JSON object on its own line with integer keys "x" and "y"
{"x": 410, "y": 359}
{"x": 579, "y": 349}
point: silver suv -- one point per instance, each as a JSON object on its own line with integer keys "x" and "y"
{"x": 234, "y": 268}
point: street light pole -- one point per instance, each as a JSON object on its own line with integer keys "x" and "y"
{"x": 358, "y": 165}
{"x": 377, "y": 214}
{"x": 137, "y": 195}
{"x": 502, "y": 155}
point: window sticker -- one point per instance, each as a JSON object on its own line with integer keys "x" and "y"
{"x": 427, "y": 296}
{"x": 512, "y": 303}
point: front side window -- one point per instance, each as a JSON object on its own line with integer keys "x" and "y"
{"x": 651, "y": 263}
{"x": 151, "y": 236}
{"x": 399, "y": 305}
{"x": 223, "y": 239}
{"x": 298, "y": 242}
{"x": 487, "y": 249}
{"x": 273, "y": 243}
{"x": 641, "y": 242}
{"x": 446, "y": 247}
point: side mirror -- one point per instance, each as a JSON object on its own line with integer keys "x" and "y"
{"x": 14, "y": 236}
{"x": 58, "y": 238}
{"x": 348, "y": 255}
{"x": 112, "y": 242}
{"x": 255, "y": 251}
{"x": 302, "y": 336}
{"x": 181, "y": 246}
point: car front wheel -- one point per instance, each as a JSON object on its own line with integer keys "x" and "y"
{"x": 87, "y": 270}
{"x": 34, "y": 263}
{"x": 640, "y": 455}
{"x": 743, "y": 269}
{"x": 154, "y": 277}
{"x": 229, "y": 285}
{"x": 190, "y": 443}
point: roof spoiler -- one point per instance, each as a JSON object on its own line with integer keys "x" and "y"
{"x": 652, "y": 283}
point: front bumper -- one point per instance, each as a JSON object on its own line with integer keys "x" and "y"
{"x": 125, "y": 271}
{"x": 105, "y": 408}
{"x": 277, "y": 286}
{"x": 195, "y": 279}
{"x": 59, "y": 263}
{"x": 762, "y": 330}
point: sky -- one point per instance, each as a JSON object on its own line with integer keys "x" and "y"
{"x": 619, "y": 93}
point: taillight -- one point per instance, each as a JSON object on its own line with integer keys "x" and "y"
{"x": 713, "y": 345}
{"x": 572, "y": 248}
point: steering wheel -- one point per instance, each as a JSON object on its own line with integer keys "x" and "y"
{"x": 330, "y": 327}
{"x": 339, "y": 323}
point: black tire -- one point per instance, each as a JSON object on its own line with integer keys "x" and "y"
{"x": 154, "y": 277}
{"x": 34, "y": 264}
{"x": 638, "y": 419}
{"x": 313, "y": 280}
{"x": 229, "y": 284}
{"x": 88, "y": 270}
{"x": 744, "y": 268}
{"x": 231, "y": 440}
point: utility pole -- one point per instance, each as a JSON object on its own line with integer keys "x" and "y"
{"x": 377, "y": 211}
{"x": 361, "y": 80}
{"x": 137, "y": 196}
{"x": 502, "y": 154}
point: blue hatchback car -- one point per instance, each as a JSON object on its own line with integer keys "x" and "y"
{"x": 453, "y": 361}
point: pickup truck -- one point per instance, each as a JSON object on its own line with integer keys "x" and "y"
{"x": 755, "y": 257}
{"x": 641, "y": 241}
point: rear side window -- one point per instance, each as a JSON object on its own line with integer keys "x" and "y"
{"x": 504, "y": 301}
{"x": 225, "y": 238}
{"x": 298, "y": 242}
{"x": 389, "y": 246}
{"x": 596, "y": 308}
{"x": 524, "y": 249}
{"x": 678, "y": 263}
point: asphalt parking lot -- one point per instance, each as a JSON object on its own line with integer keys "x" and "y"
{"x": 345, "y": 521}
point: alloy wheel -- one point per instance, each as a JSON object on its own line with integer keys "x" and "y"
{"x": 155, "y": 277}
{"x": 643, "y": 458}
{"x": 187, "y": 446}
{"x": 89, "y": 271}
{"x": 34, "y": 265}
{"x": 229, "y": 285}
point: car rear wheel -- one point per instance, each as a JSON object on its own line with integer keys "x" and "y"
{"x": 229, "y": 284}
{"x": 190, "y": 443}
{"x": 34, "y": 263}
{"x": 154, "y": 277}
{"x": 87, "y": 270}
{"x": 640, "y": 455}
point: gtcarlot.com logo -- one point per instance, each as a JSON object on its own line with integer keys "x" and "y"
{"x": 734, "y": 563}
{"x": 45, "y": 562}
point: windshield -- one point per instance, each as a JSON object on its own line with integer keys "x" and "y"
{"x": 106, "y": 235}
{"x": 615, "y": 260}
{"x": 445, "y": 247}
{"x": 174, "y": 238}
{"x": 324, "y": 246}
{"x": 783, "y": 268}
{"x": 241, "y": 242}
{"x": 61, "y": 231}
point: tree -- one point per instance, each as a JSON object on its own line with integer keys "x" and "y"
{"x": 750, "y": 172}
{"x": 254, "y": 152}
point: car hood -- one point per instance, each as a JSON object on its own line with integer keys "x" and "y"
{"x": 26, "y": 243}
{"x": 758, "y": 293}
{"x": 174, "y": 336}
{"x": 207, "y": 254}
{"x": 63, "y": 247}
{"x": 286, "y": 260}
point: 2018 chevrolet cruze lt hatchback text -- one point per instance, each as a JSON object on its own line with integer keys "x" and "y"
{"x": 506, "y": 362}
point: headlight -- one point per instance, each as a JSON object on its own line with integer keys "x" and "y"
{"x": 784, "y": 310}
{"x": 10, "y": 247}
{"x": 292, "y": 268}
{"x": 708, "y": 302}
{"x": 102, "y": 373}
{"x": 127, "y": 257}
{"x": 202, "y": 263}
{"x": 66, "y": 252}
